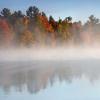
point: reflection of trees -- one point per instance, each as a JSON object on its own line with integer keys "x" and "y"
{"x": 37, "y": 76}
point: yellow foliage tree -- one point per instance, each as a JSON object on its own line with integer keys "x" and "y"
{"x": 27, "y": 38}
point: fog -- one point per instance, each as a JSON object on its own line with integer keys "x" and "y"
{"x": 58, "y": 53}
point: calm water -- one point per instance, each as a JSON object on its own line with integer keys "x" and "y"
{"x": 50, "y": 80}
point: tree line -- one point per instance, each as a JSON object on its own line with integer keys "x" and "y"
{"x": 35, "y": 29}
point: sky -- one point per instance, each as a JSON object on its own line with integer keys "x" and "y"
{"x": 77, "y": 9}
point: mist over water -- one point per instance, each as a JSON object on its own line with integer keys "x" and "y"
{"x": 58, "y": 53}
{"x": 42, "y": 58}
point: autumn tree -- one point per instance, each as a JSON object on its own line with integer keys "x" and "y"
{"x": 6, "y": 35}
{"x": 53, "y": 23}
{"x": 26, "y": 38}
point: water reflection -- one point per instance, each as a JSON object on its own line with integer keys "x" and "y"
{"x": 37, "y": 75}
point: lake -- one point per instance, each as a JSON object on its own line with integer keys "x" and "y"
{"x": 50, "y": 80}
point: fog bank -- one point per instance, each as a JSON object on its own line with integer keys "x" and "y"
{"x": 60, "y": 53}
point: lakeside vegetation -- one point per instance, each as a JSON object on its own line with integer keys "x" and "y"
{"x": 35, "y": 29}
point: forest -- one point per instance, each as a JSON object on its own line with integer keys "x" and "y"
{"x": 34, "y": 28}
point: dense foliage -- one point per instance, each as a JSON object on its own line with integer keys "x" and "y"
{"x": 35, "y": 29}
